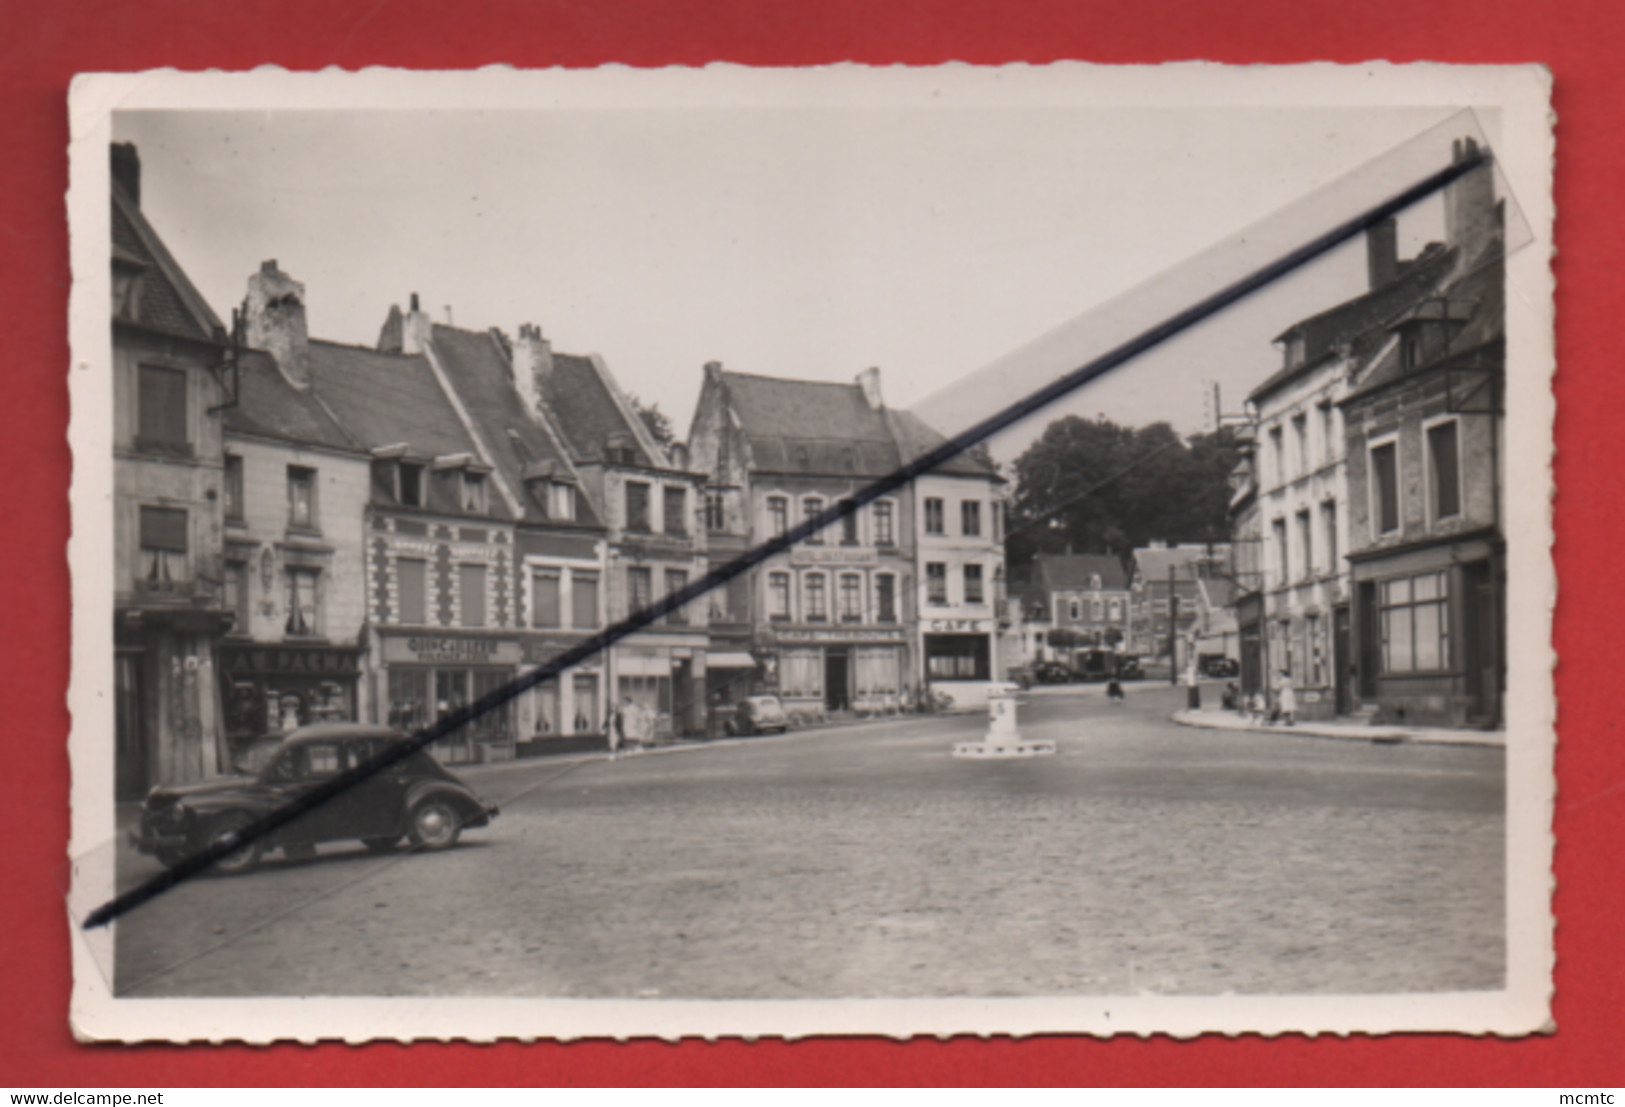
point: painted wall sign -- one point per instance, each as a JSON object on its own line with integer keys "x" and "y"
{"x": 452, "y": 649}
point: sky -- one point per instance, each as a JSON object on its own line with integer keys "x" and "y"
{"x": 941, "y": 245}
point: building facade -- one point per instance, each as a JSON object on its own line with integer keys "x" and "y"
{"x": 1088, "y": 599}
{"x": 1182, "y": 601}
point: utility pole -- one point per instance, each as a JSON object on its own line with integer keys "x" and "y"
{"x": 1173, "y": 628}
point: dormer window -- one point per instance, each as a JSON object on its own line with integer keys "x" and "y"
{"x": 476, "y": 493}
{"x": 409, "y": 484}
{"x": 561, "y": 502}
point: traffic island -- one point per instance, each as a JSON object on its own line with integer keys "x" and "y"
{"x": 1003, "y": 737}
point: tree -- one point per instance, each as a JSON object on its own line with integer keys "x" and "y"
{"x": 655, "y": 420}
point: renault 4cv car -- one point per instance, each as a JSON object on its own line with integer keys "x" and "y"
{"x": 415, "y": 798}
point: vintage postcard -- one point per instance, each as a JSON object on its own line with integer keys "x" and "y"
{"x": 833, "y": 551}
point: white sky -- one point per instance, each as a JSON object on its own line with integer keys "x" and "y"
{"x": 808, "y": 242}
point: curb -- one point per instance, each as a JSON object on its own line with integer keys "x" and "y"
{"x": 1214, "y": 720}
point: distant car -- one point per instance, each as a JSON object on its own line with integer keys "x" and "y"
{"x": 415, "y": 797}
{"x": 1096, "y": 665}
{"x": 1218, "y": 665}
{"x": 757, "y": 715}
{"x": 1052, "y": 672}
{"x": 1128, "y": 668}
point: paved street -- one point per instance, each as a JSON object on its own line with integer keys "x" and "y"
{"x": 864, "y": 861}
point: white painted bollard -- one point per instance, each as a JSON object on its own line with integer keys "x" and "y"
{"x": 1003, "y": 734}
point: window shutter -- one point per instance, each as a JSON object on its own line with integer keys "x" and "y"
{"x": 163, "y": 528}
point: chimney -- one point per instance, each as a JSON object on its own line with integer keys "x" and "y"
{"x": 392, "y": 333}
{"x": 1470, "y": 210}
{"x": 869, "y": 381}
{"x": 127, "y": 169}
{"x": 449, "y": 321}
{"x": 416, "y": 329}
{"x": 1382, "y": 251}
{"x": 532, "y": 365}
{"x": 276, "y": 322}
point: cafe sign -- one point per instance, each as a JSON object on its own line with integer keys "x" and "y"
{"x": 451, "y": 649}
{"x": 959, "y": 626}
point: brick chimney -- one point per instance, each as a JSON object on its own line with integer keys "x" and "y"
{"x": 869, "y": 381}
{"x": 1382, "y": 251}
{"x": 1471, "y": 214}
{"x": 127, "y": 169}
{"x": 532, "y": 365}
{"x": 416, "y": 329}
{"x": 276, "y": 322}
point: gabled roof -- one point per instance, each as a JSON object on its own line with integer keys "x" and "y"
{"x": 915, "y": 437}
{"x": 588, "y": 414}
{"x": 269, "y": 407}
{"x": 387, "y": 399}
{"x": 1075, "y": 571}
{"x": 478, "y": 370}
{"x": 814, "y": 427}
{"x": 166, "y": 301}
{"x": 1360, "y": 323}
{"x": 1152, "y": 563}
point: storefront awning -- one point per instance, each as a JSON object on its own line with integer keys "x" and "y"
{"x": 729, "y": 661}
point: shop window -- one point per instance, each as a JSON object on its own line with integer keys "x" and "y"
{"x": 545, "y": 610}
{"x": 885, "y": 598}
{"x": 934, "y": 517}
{"x": 883, "y": 523}
{"x": 811, "y": 508}
{"x": 161, "y": 417}
{"x": 639, "y": 589}
{"x": 637, "y": 506}
{"x": 544, "y": 704}
{"x": 303, "y": 613}
{"x": 876, "y": 671}
{"x": 233, "y": 490}
{"x": 957, "y": 656}
{"x": 851, "y": 598}
{"x": 973, "y": 584}
{"x": 1415, "y": 624}
{"x": 778, "y": 597}
{"x": 778, "y": 515}
{"x": 970, "y": 518}
{"x": 587, "y": 720}
{"x": 801, "y": 674}
{"x": 1444, "y": 470}
{"x": 675, "y": 506}
{"x": 814, "y": 608}
{"x": 1312, "y": 632}
{"x": 1385, "y": 487}
{"x": 676, "y": 581}
{"x": 493, "y": 724}
{"x": 936, "y": 583}
{"x": 163, "y": 549}
{"x": 715, "y": 518}
{"x": 411, "y": 583}
{"x": 584, "y": 600}
{"x": 471, "y": 591}
{"x": 408, "y": 698}
{"x": 301, "y": 498}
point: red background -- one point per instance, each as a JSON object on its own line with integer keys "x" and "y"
{"x": 46, "y": 44}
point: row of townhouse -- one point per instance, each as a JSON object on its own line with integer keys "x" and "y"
{"x": 309, "y": 530}
{"x": 1369, "y": 554}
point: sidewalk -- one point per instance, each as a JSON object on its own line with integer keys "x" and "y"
{"x": 1219, "y": 719}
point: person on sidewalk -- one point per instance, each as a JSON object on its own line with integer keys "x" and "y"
{"x": 1286, "y": 699}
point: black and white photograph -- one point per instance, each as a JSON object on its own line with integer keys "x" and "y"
{"x": 835, "y": 551}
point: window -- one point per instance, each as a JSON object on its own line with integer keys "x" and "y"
{"x": 1075, "y": 608}
{"x": 1328, "y": 519}
{"x": 849, "y": 529}
{"x": 1278, "y": 454}
{"x": 936, "y": 583}
{"x": 1385, "y": 487}
{"x": 811, "y": 506}
{"x": 1306, "y": 543}
{"x": 236, "y": 596}
{"x": 233, "y": 491}
{"x": 1444, "y": 470}
{"x": 675, "y": 506}
{"x": 957, "y": 656}
{"x": 970, "y": 518}
{"x": 411, "y": 490}
{"x": 883, "y": 523}
{"x": 1328, "y": 431}
{"x": 1097, "y": 610}
{"x": 676, "y": 581}
{"x": 639, "y": 589}
{"x": 1415, "y": 624}
{"x": 1317, "y": 657}
{"x": 411, "y": 578}
{"x": 973, "y": 584}
{"x": 637, "y": 506}
{"x": 545, "y": 609}
{"x": 1300, "y": 435}
{"x": 778, "y": 597}
{"x": 476, "y": 493}
{"x": 162, "y": 416}
{"x": 1115, "y": 610}
{"x": 1282, "y": 562}
{"x": 933, "y": 516}
{"x": 301, "y": 498}
{"x": 995, "y": 513}
{"x": 778, "y": 515}
{"x": 471, "y": 590}
{"x": 302, "y": 610}
{"x": 585, "y": 686}
{"x": 814, "y": 609}
{"x": 583, "y": 600}
{"x": 561, "y": 501}
{"x": 885, "y": 598}
{"x": 851, "y": 598}
{"x": 163, "y": 548}
{"x": 544, "y": 699}
{"x": 715, "y": 519}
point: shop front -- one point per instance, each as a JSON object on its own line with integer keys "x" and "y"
{"x": 959, "y": 660}
{"x": 564, "y": 712}
{"x": 270, "y": 688}
{"x": 667, "y": 686}
{"x": 816, "y": 670}
{"x": 426, "y": 676}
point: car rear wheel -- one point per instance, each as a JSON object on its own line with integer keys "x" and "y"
{"x": 381, "y": 845}
{"x": 169, "y": 858}
{"x": 229, "y": 830}
{"x": 435, "y": 825}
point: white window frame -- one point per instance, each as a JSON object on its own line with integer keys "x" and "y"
{"x": 1427, "y": 457}
{"x": 1372, "y": 445}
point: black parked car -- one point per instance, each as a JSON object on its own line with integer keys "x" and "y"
{"x": 1052, "y": 672}
{"x": 415, "y": 797}
{"x": 1219, "y": 666}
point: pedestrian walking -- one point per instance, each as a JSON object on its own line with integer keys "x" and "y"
{"x": 617, "y": 727}
{"x": 1114, "y": 690}
{"x": 1286, "y": 699}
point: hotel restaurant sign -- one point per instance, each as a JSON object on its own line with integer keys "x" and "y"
{"x": 451, "y": 649}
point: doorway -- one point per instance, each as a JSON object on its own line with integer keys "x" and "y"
{"x": 1370, "y": 641}
{"x": 1482, "y": 643}
{"x": 1341, "y": 645}
{"x": 837, "y": 663}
